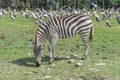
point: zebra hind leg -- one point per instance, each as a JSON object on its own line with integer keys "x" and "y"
{"x": 86, "y": 43}
{"x": 86, "y": 50}
{"x": 51, "y": 48}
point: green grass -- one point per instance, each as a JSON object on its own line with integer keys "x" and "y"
{"x": 17, "y": 60}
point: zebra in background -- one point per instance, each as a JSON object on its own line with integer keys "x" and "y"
{"x": 62, "y": 27}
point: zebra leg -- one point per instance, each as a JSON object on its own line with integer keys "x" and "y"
{"x": 86, "y": 43}
{"x": 51, "y": 48}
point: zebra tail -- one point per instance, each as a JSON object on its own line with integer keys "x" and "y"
{"x": 91, "y": 34}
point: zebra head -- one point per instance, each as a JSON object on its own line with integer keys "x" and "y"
{"x": 38, "y": 54}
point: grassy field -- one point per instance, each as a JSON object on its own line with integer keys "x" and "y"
{"x": 17, "y": 60}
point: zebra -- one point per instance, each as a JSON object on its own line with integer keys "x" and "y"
{"x": 62, "y": 27}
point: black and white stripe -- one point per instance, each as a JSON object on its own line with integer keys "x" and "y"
{"x": 62, "y": 27}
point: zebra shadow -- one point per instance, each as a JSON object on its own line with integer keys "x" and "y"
{"x": 30, "y": 61}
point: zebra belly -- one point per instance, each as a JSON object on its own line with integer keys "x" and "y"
{"x": 68, "y": 35}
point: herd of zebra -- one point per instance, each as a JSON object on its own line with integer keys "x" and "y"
{"x": 63, "y": 24}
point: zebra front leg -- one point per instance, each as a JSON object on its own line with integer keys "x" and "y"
{"x": 51, "y": 53}
{"x": 51, "y": 48}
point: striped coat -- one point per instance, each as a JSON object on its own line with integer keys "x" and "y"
{"x": 62, "y": 27}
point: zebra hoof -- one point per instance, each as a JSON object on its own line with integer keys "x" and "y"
{"x": 83, "y": 58}
{"x": 51, "y": 61}
{"x": 37, "y": 64}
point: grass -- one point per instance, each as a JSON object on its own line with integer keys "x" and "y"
{"x": 17, "y": 61}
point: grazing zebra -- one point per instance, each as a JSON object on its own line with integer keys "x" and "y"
{"x": 62, "y": 27}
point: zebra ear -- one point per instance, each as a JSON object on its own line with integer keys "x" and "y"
{"x": 31, "y": 41}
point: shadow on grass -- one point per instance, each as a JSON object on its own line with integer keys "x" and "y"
{"x": 30, "y": 62}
